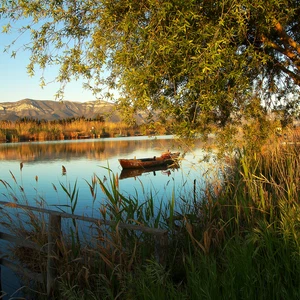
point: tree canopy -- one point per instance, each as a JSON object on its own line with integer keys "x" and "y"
{"x": 198, "y": 62}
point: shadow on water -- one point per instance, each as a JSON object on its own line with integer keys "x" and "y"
{"x": 10, "y": 285}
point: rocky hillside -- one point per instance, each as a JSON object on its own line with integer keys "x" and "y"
{"x": 55, "y": 110}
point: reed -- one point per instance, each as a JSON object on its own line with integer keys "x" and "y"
{"x": 239, "y": 240}
{"x": 41, "y": 130}
{"x": 249, "y": 230}
{"x": 90, "y": 255}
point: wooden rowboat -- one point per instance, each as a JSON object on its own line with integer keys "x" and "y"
{"x": 165, "y": 159}
{"x": 165, "y": 169}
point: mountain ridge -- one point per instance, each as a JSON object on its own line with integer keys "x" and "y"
{"x": 50, "y": 110}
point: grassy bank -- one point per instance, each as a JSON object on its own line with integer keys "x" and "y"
{"x": 241, "y": 240}
{"x": 37, "y": 130}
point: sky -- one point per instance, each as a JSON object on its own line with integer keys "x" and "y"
{"x": 16, "y": 84}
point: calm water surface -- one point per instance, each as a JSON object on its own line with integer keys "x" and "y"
{"x": 42, "y": 179}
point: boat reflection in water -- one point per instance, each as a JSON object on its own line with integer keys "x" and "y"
{"x": 166, "y": 169}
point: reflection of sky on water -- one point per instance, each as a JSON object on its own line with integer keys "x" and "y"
{"x": 47, "y": 168}
{"x": 42, "y": 171}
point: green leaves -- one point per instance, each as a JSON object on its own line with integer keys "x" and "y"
{"x": 195, "y": 61}
{"x": 6, "y": 28}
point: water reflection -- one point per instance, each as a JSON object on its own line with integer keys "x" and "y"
{"x": 49, "y": 165}
{"x": 36, "y": 171}
{"x": 101, "y": 149}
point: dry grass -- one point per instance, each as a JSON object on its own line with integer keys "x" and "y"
{"x": 32, "y": 130}
{"x": 240, "y": 239}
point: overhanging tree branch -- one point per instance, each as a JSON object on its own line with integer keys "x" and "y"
{"x": 288, "y": 40}
{"x": 197, "y": 59}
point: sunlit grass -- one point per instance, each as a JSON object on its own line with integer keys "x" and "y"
{"x": 34, "y": 130}
{"x": 238, "y": 238}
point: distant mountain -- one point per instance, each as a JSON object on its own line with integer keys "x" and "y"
{"x": 55, "y": 110}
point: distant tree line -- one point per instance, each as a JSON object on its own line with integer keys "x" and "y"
{"x": 98, "y": 118}
{"x": 33, "y": 129}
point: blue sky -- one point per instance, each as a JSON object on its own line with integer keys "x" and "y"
{"x": 16, "y": 84}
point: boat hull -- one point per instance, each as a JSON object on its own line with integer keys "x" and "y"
{"x": 163, "y": 160}
{"x": 165, "y": 169}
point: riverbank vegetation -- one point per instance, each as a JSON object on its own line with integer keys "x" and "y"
{"x": 239, "y": 238}
{"x": 28, "y": 129}
{"x": 211, "y": 67}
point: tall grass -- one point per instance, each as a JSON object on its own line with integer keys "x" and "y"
{"x": 248, "y": 238}
{"x": 240, "y": 240}
{"x": 35, "y": 130}
{"x": 101, "y": 256}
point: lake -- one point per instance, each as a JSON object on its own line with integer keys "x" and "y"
{"x": 32, "y": 172}
{"x": 41, "y": 178}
